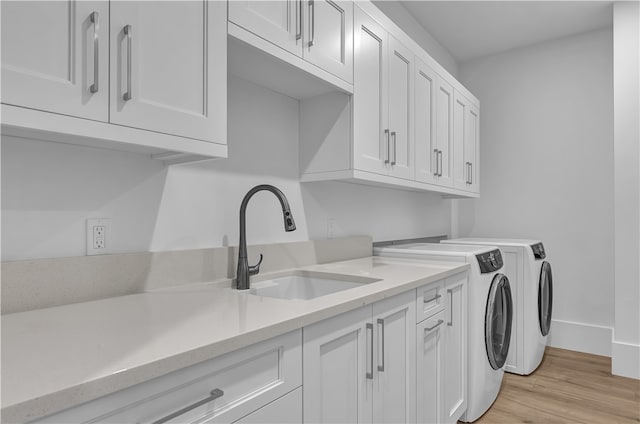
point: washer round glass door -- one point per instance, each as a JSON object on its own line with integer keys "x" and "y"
{"x": 545, "y": 298}
{"x": 498, "y": 320}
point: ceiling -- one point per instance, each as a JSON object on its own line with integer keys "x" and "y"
{"x": 471, "y": 29}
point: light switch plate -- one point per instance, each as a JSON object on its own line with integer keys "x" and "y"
{"x": 99, "y": 236}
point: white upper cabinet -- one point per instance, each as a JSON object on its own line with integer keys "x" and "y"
{"x": 425, "y": 122}
{"x": 444, "y": 133}
{"x": 319, "y": 31}
{"x": 328, "y": 36}
{"x": 401, "y": 144}
{"x": 142, "y": 76}
{"x": 460, "y": 126}
{"x": 370, "y": 95}
{"x": 163, "y": 67}
{"x": 472, "y": 148}
{"x": 382, "y": 97}
{"x": 466, "y": 127}
{"x": 279, "y": 22}
{"x": 55, "y": 56}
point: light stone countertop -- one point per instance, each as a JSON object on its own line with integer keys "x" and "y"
{"x": 59, "y": 357}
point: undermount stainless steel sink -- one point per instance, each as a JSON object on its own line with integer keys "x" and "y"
{"x": 307, "y": 285}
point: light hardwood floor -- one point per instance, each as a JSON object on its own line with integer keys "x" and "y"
{"x": 568, "y": 387}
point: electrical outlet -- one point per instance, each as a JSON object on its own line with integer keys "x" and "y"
{"x": 331, "y": 228}
{"x": 98, "y": 236}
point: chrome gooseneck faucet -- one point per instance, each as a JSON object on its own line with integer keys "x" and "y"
{"x": 244, "y": 270}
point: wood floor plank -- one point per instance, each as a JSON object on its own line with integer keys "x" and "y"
{"x": 568, "y": 387}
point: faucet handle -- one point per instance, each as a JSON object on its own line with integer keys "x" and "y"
{"x": 253, "y": 270}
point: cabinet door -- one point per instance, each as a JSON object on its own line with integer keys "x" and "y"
{"x": 425, "y": 122}
{"x": 472, "y": 148}
{"x": 55, "y": 56}
{"x": 430, "y": 368}
{"x": 460, "y": 168}
{"x": 370, "y": 96}
{"x": 338, "y": 369}
{"x": 328, "y": 28}
{"x": 444, "y": 132}
{"x": 455, "y": 400}
{"x": 395, "y": 360}
{"x": 279, "y": 22}
{"x": 400, "y": 109}
{"x": 168, "y": 67}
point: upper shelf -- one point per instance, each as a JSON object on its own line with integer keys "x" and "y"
{"x": 255, "y": 59}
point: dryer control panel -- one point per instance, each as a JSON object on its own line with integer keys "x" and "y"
{"x": 538, "y": 251}
{"x": 490, "y": 261}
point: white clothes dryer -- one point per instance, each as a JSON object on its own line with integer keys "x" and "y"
{"x": 532, "y": 290}
{"x": 489, "y": 316}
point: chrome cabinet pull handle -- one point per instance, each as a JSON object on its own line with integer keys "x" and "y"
{"x": 95, "y": 20}
{"x": 393, "y": 137}
{"x": 298, "y": 20}
{"x": 312, "y": 20}
{"x": 470, "y": 173}
{"x": 381, "y": 365}
{"x": 435, "y": 152}
{"x": 450, "y": 293}
{"x": 467, "y": 165}
{"x": 128, "y": 31}
{"x": 386, "y": 133}
{"x": 441, "y": 163}
{"x": 436, "y": 297}
{"x": 440, "y": 321}
{"x": 215, "y": 394}
{"x": 370, "y": 332}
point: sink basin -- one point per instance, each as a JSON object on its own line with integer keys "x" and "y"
{"x": 307, "y": 285}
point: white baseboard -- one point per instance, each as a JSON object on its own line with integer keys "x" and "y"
{"x": 625, "y": 360}
{"x": 581, "y": 337}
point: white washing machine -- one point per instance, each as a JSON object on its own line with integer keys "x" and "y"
{"x": 532, "y": 290}
{"x": 489, "y": 316}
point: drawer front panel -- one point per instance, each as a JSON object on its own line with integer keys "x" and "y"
{"x": 430, "y": 300}
{"x": 248, "y": 378}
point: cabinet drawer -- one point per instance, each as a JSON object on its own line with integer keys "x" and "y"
{"x": 286, "y": 410}
{"x": 430, "y": 300}
{"x": 248, "y": 379}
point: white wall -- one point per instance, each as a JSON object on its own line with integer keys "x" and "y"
{"x": 546, "y": 134}
{"x": 48, "y": 191}
{"x": 626, "y": 342}
{"x": 405, "y": 20}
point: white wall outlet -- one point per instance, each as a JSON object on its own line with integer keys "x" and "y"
{"x": 98, "y": 236}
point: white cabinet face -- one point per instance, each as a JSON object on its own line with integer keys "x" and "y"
{"x": 55, "y": 56}
{"x": 328, "y": 36}
{"x": 286, "y": 410}
{"x": 430, "y": 368}
{"x": 394, "y": 345}
{"x": 165, "y": 67}
{"x": 370, "y": 98}
{"x": 472, "y": 149}
{"x": 455, "y": 400}
{"x": 424, "y": 122}
{"x": 444, "y": 132}
{"x": 400, "y": 99}
{"x": 277, "y": 21}
{"x": 460, "y": 168}
{"x": 336, "y": 363}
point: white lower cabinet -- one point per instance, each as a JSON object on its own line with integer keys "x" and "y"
{"x": 235, "y": 385}
{"x": 430, "y": 369}
{"x": 441, "y": 369}
{"x": 286, "y": 410}
{"x": 359, "y": 367}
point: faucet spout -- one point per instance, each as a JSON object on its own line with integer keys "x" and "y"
{"x": 244, "y": 270}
